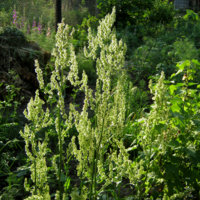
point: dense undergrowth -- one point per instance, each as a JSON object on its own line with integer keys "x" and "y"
{"x": 145, "y": 122}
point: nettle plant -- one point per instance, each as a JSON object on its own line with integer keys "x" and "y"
{"x": 94, "y": 134}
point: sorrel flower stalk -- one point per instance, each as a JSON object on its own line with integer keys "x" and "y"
{"x": 108, "y": 105}
{"x": 40, "y": 120}
{"x": 65, "y": 60}
{"x": 154, "y": 127}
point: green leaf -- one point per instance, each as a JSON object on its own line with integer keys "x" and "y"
{"x": 181, "y": 65}
{"x": 192, "y": 83}
{"x": 195, "y": 62}
{"x": 176, "y": 100}
{"x": 179, "y": 84}
{"x": 172, "y": 75}
{"x": 177, "y": 115}
{"x": 183, "y": 139}
{"x": 173, "y": 144}
{"x": 191, "y": 151}
{"x": 171, "y": 168}
{"x": 67, "y": 183}
{"x": 63, "y": 177}
{"x": 175, "y": 108}
{"x": 161, "y": 127}
{"x": 132, "y": 148}
{"x": 172, "y": 88}
{"x": 22, "y": 173}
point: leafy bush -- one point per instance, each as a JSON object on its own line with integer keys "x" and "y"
{"x": 162, "y": 11}
{"x": 185, "y": 49}
{"x": 127, "y": 12}
{"x": 162, "y": 53}
{"x": 129, "y": 37}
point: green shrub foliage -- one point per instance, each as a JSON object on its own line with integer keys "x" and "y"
{"x": 127, "y": 12}
{"x": 162, "y": 11}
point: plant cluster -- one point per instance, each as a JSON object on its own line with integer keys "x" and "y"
{"x": 154, "y": 144}
{"x": 171, "y": 123}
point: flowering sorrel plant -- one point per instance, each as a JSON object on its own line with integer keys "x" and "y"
{"x": 109, "y": 108}
{"x": 108, "y": 104}
{"x": 65, "y": 59}
{"x": 40, "y": 120}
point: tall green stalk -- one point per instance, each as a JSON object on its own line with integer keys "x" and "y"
{"x": 40, "y": 120}
{"x": 109, "y": 114}
{"x": 60, "y": 151}
{"x": 35, "y": 176}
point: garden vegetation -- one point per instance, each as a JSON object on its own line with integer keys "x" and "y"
{"x": 140, "y": 124}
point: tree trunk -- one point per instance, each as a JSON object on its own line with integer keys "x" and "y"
{"x": 58, "y": 16}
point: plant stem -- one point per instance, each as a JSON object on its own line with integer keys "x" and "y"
{"x": 91, "y": 185}
{"x": 60, "y": 150}
{"x": 140, "y": 197}
{"x": 35, "y": 176}
{"x": 81, "y": 180}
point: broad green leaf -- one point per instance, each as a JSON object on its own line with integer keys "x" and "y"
{"x": 173, "y": 144}
{"x": 160, "y": 127}
{"x": 22, "y": 173}
{"x": 191, "y": 151}
{"x": 195, "y": 62}
{"x": 179, "y": 84}
{"x": 176, "y": 100}
{"x": 172, "y": 88}
{"x": 175, "y": 108}
{"x": 177, "y": 115}
{"x": 192, "y": 83}
{"x": 172, "y": 75}
{"x": 171, "y": 168}
{"x": 182, "y": 138}
{"x": 182, "y": 65}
